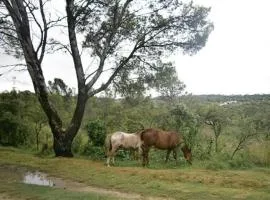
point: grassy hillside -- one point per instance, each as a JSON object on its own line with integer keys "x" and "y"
{"x": 163, "y": 181}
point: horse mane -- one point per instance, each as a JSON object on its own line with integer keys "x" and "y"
{"x": 146, "y": 130}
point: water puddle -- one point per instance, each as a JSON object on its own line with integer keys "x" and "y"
{"x": 23, "y": 175}
{"x": 37, "y": 178}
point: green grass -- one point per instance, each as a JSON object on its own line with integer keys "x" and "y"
{"x": 34, "y": 192}
{"x": 184, "y": 182}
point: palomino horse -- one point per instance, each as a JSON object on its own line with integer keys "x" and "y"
{"x": 123, "y": 140}
{"x": 164, "y": 140}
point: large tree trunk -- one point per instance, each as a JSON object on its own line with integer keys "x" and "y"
{"x": 63, "y": 140}
{"x": 62, "y": 145}
{"x": 62, "y": 137}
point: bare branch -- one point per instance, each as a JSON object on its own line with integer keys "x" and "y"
{"x": 61, "y": 46}
{"x": 43, "y": 40}
{"x": 14, "y": 65}
{"x": 31, "y": 9}
{"x": 147, "y": 63}
{"x": 54, "y": 23}
{"x": 13, "y": 68}
{"x": 89, "y": 75}
{"x": 9, "y": 35}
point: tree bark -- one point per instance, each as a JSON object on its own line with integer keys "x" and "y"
{"x": 62, "y": 145}
{"x": 62, "y": 138}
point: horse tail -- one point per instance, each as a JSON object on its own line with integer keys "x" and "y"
{"x": 141, "y": 134}
{"x": 108, "y": 143}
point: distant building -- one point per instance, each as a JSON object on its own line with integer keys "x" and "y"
{"x": 227, "y": 103}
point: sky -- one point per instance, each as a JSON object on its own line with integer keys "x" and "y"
{"x": 235, "y": 60}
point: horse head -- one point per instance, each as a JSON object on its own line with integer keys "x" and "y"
{"x": 187, "y": 154}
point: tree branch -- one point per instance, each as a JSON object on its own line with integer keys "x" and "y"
{"x": 43, "y": 40}
{"x": 9, "y": 35}
{"x": 73, "y": 44}
{"x": 117, "y": 70}
{"x": 61, "y": 46}
{"x": 13, "y": 67}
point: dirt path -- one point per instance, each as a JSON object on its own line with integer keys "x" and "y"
{"x": 80, "y": 187}
{"x": 39, "y": 178}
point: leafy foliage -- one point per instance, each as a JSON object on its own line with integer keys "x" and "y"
{"x": 245, "y": 125}
{"x": 14, "y": 129}
{"x": 166, "y": 81}
{"x": 96, "y": 132}
{"x": 151, "y": 29}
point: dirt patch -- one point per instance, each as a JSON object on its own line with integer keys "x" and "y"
{"x": 80, "y": 187}
{"x": 18, "y": 174}
{"x": 5, "y": 197}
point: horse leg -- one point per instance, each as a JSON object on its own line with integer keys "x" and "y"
{"x": 145, "y": 152}
{"x": 108, "y": 158}
{"x": 168, "y": 154}
{"x": 131, "y": 154}
{"x": 139, "y": 153}
{"x": 108, "y": 161}
{"x": 111, "y": 156}
{"x": 175, "y": 154}
{"x": 147, "y": 156}
{"x": 113, "y": 160}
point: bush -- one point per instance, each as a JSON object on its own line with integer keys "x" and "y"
{"x": 216, "y": 165}
{"x": 240, "y": 163}
{"x": 94, "y": 152}
{"x": 259, "y": 153}
{"x": 96, "y": 132}
{"x": 79, "y": 143}
{"x": 13, "y": 131}
{"x": 46, "y": 150}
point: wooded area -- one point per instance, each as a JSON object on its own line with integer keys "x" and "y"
{"x": 222, "y": 130}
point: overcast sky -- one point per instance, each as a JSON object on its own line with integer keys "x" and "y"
{"x": 235, "y": 60}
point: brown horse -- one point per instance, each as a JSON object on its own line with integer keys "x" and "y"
{"x": 164, "y": 140}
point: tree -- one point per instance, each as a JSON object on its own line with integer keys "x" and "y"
{"x": 117, "y": 33}
{"x": 13, "y": 128}
{"x": 166, "y": 81}
{"x": 216, "y": 118}
{"x": 186, "y": 123}
{"x": 58, "y": 86}
{"x": 37, "y": 117}
{"x": 247, "y": 131}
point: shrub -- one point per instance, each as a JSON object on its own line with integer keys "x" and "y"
{"x": 94, "y": 152}
{"x": 79, "y": 143}
{"x": 96, "y": 132}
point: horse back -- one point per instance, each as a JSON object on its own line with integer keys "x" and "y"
{"x": 160, "y": 139}
{"x": 125, "y": 140}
